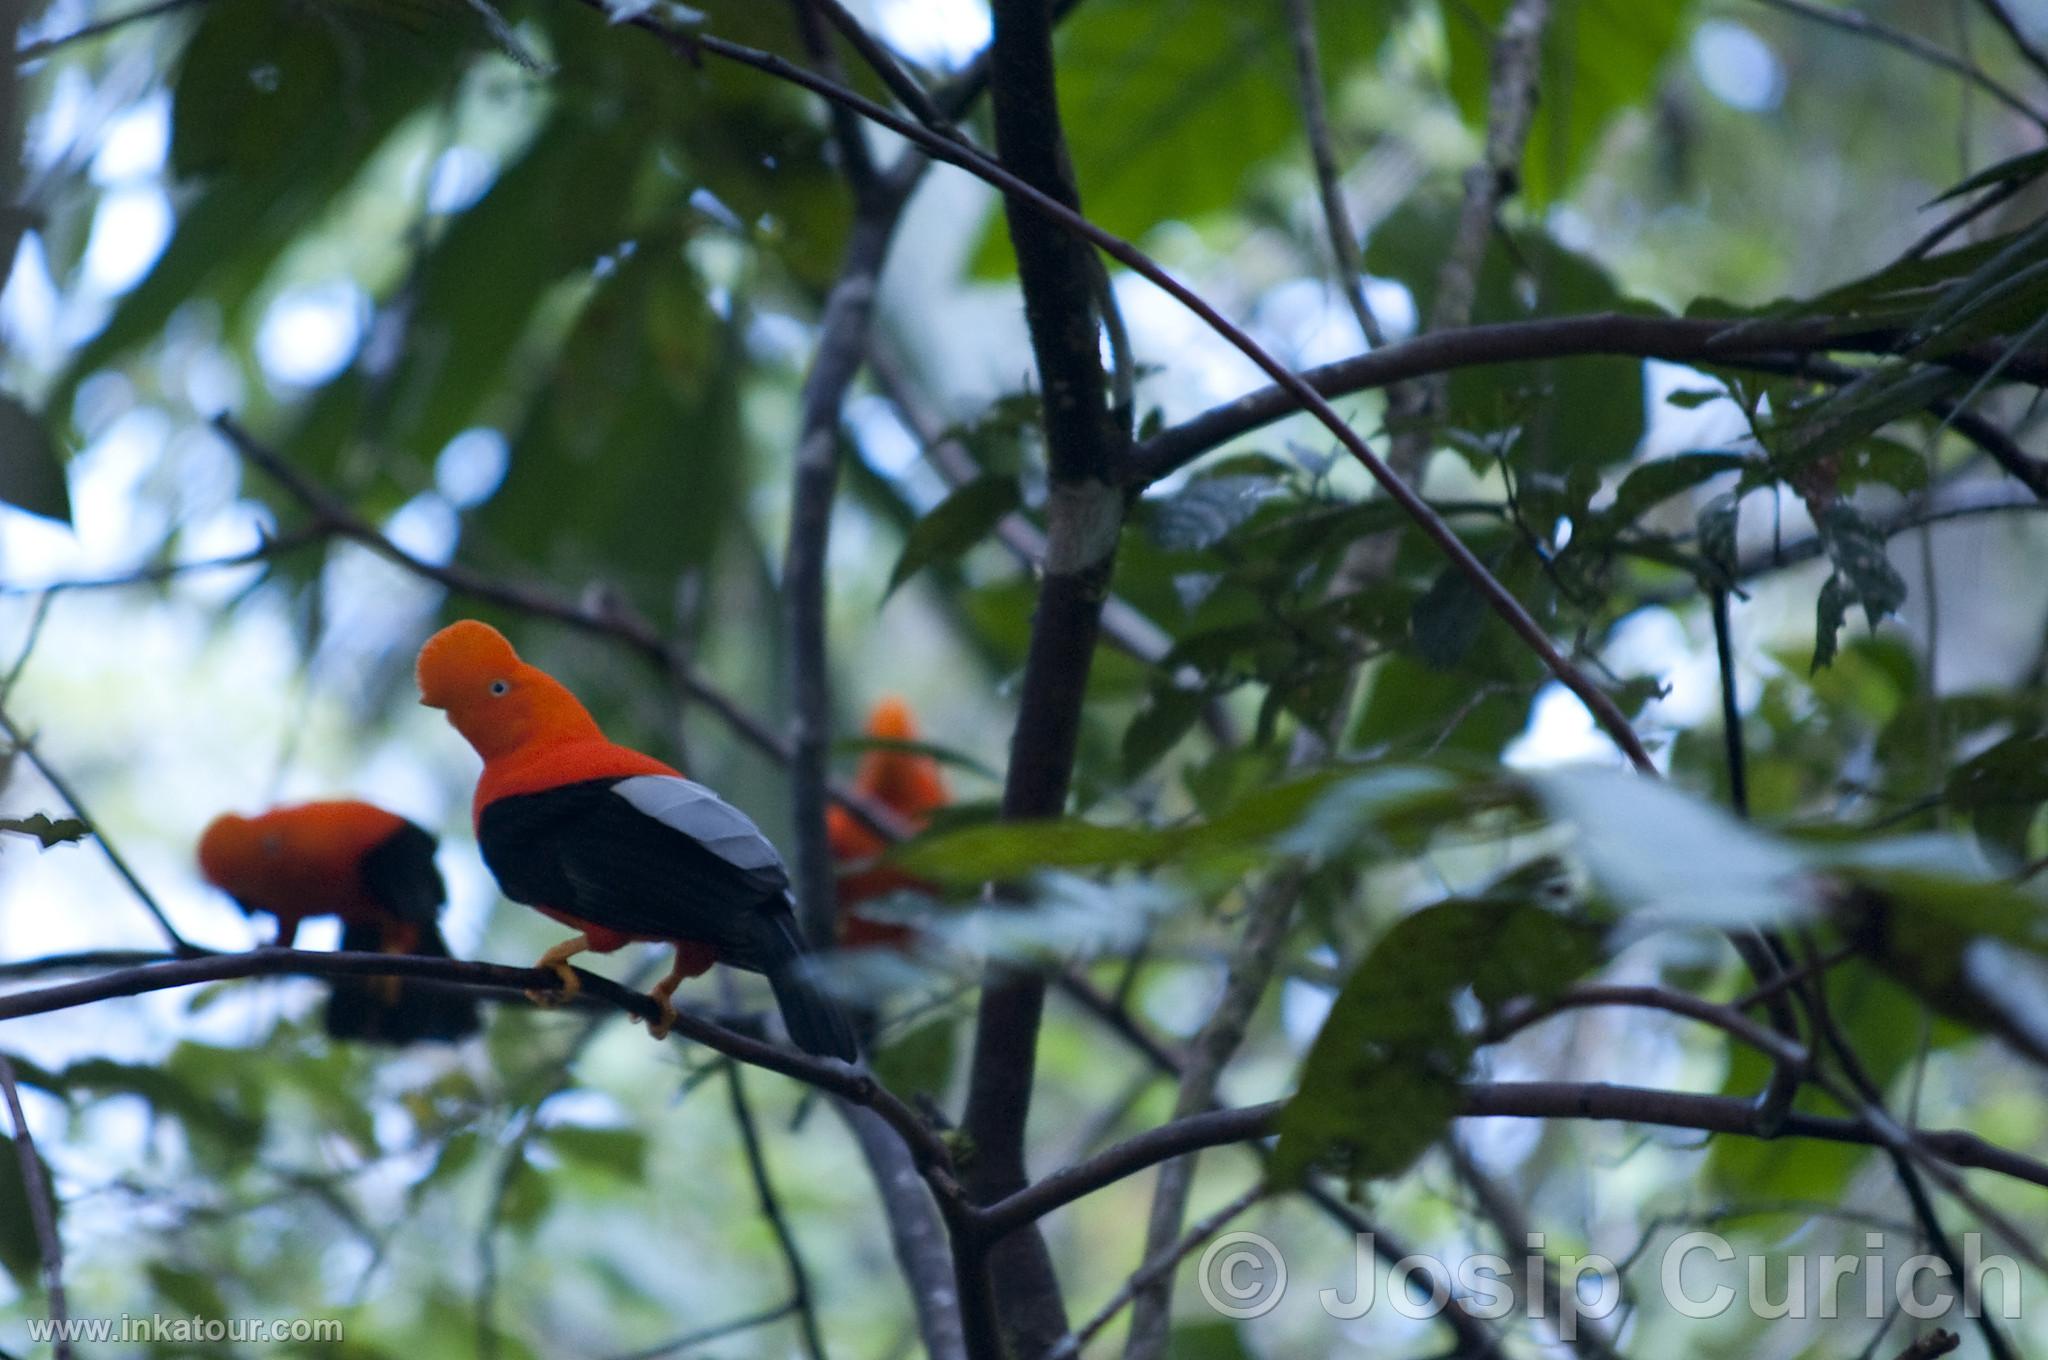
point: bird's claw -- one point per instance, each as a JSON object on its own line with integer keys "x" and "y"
{"x": 560, "y": 996}
{"x": 659, "y": 1026}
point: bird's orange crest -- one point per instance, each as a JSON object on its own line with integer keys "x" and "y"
{"x": 495, "y": 700}
{"x": 905, "y": 781}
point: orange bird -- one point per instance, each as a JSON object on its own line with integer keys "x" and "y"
{"x": 906, "y": 783}
{"x": 373, "y": 869}
{"x": 615, "y": 844}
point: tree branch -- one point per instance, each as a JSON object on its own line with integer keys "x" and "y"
{"x": 800, "y": 1298}
{"x": 1056, "y": 273}
{"x": 42, "y": 1210}
{"x": 2031, "y": 52}
{"x": 1520, "y": 1100}
{"x": 1315, "y": 122}
{"x": 27, "y": 747}
{"x": 507, "y": 984}
{"x": 1090, "y": 512}
{"x": 1678, "y": 339}
{"x": 1863, "y": 26}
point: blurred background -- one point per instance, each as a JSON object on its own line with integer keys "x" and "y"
{"x": 529, "y": 294}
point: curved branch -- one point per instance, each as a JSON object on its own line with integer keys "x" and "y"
{"x": 1620, "y": 334}
{"x": 1507, "y": 1099}
{"x": 505, "y": 983}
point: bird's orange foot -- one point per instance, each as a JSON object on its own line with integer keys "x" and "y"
{"x": 659, "y": 1026}
{"x": 556, "y": 961}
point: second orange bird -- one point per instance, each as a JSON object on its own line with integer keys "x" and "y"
{"x": 907, "y": 783}
{"x": 615, "y": 844}
{"x": 373, "y": 869}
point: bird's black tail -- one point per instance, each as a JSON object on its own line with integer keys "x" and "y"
{"x": 395, "y": 1011}
{"x": 816, "y": 1020}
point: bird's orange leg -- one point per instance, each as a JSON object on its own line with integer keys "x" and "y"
{"x": 692, "y": 960}
{"x": 557, "y": 961}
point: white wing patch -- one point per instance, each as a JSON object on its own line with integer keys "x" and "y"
{"x": 703, "y": 816}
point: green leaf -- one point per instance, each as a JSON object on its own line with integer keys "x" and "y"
{"x": 20, "y": 1252}
{"x": 1446, "y": 620}
{"x": 1579, "y": 411}
{"x": 2028, "y": 165}
{"x": 1830, "y": 612}
{"x": 31, "y": 473}
{"x": 956, "y": 524}
{"x": 1170, "y": 105}
{"x": 920, "y": 1061}
{"x": 1655, "y": 482}
{"x": 1858, "y": 552}
{"x": 1658, "y": 851}
{"x": 615, "y": 1152}
{"x": 1168, "y": 713}
{"x": 1202, "y": 513}
{"x": 1380, "y": 1083}
{"x": 1600, "y": 58}
{"x": 1885, "y": 462}
{"x": 528, "y": 1193}
{"x": 62, "y": 831}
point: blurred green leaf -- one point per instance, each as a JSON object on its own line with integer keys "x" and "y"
{"x": 956, "y": 524}
{"x": 20, "y": 1252}
{"x": 1600, "y": 59}
{"x": 615, "y": 1152}
{"x": 1170, "y": 105}
{"x": 1658, "y": 850}
{"x": 46, "y": 832}
{"x": 1380, "y": 1082}
{"x": 919, "y": 1061}
{"x": 31, "y": 473}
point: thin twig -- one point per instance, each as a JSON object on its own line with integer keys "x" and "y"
{"x": 1598, "y": 1101}
{"x": 1497, "y": 597}
{"x": 1245, "y": 982}
{"x": 64, "y": 791}
{"x": 507, "y": 983}
{"x": 704, "y": 1336}
{"x": 1854, "y": 21}
{"x": 800, "y": 1296}
{"x": 1157, "y": 1267}
{"x": 34, "y": 51}
{"x": 609, "y": 618}
{"x": 165, "y": 571}
{"x": 2031, "y": 51}
{"x": 884, "y": 63}
{"x": 42, "y": 1210}
{"x": 1315, "y": 121}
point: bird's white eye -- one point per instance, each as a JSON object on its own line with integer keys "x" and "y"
{"x": 501, "y": 686}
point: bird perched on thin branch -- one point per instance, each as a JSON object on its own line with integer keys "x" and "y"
{"x": 616, "y": 844}
{"x": 375, "y": 871}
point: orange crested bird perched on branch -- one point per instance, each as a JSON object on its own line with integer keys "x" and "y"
{"x": 615, "y": 844}
{"x": 373, "y": 869}
{"x": 905, "y": 782}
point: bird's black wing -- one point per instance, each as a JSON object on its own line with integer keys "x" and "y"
{"x": 399, "y": 875}
{"x": 655, "y": 855}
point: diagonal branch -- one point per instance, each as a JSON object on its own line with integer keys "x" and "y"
{"x": 1678, "y": 339}
{"x": 608, "y": 619}
{"x": 1094, "y": 517}
{"x": 1863, "y": 26}
{"x": 42, "y": 1210}
{"x": 1315, "y": 119}
{"x": 27, "y": 746}
{"x": 801, "y": 1299}
{"x": 2030, "y": 51}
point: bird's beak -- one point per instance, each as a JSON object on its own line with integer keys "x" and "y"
{"x": 425, "y": 702}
